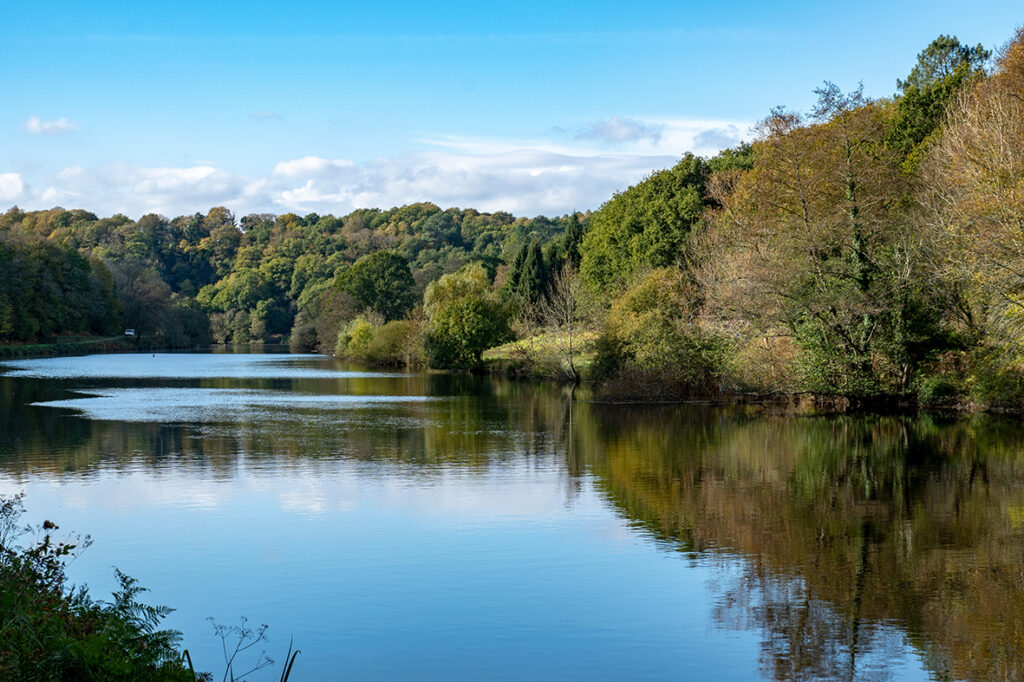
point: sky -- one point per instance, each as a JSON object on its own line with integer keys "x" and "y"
{"x": 527, "y": 107}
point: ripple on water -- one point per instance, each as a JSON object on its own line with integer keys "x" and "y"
{"x": 198, "y": 405}
{"x": 183, "y": 366}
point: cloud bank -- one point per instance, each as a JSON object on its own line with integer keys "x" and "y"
{"x": 523, "y": 177}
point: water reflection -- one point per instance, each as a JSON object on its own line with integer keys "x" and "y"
{"x": 846, "y": 524}
{"x": 182, "y": 366}
{"x": 853, "y": 546}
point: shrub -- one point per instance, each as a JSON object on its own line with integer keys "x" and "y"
{"x": 303, "y": 337}
{"x": 652, "y": 348}
{"x": 354, "y": 339}
{"x": 388, "y": 344}
{"x": 997, "y": 380}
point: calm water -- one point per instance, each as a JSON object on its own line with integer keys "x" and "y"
{"x": 406, "y": 526}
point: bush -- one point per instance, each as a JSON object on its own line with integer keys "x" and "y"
{"x": 997, "y": 380}
{"x": 653, "y": 349}
{"x": 354, "y": 339}
{"x": 388, "y": 344}
{"x": 763, "y": 365}
{"x": 462, "y": 330}
{"x": 303, "y": 337}
{"x": 936, "y": 389}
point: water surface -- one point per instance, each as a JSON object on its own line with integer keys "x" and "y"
{"x": 411, "y": 526}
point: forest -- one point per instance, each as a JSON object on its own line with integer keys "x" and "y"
{"x": 869, "y": 249}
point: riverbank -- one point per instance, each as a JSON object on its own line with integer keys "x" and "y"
{"x": 76, "y": 346}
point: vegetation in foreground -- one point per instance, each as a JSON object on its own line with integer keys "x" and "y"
{"x": 868, "y": 249}
{"x": 52, "y": 630}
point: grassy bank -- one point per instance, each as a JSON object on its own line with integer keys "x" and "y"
{"x": 543, "y": 356}
{"x": 69, "y": 346}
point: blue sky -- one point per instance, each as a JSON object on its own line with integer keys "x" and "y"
{"x": 530, "y": 107}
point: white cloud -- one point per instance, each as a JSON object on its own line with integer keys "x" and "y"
{"x": 521, "y": 181}
{"x": 705, "y": 137}
{"x": 11, "y": 186}
{"x": 309, "y": 165}
{"x": 524, "y": 177}
{"x": 120, "y": 188}
{"x": 37, "y": 126}
{"x": 617, "y": 129}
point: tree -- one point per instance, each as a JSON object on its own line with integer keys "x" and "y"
{"x": 465, "y": 318}
{"x": 564, "y": 313}
{"x": 942, "y": 69}
{"x": 813, "y": 244}
{"x": 652, "y": 346}
{"x": 144, "y": 297}
{"x": 646, "y": 226}
{"x": 382, "y": 282}
{"x": 571, "y": 240}
{"x": 223, "y": 240}
{"x": 943, "y": 57}
{"x": 974, "y": 204}
{"x": 533, "y": 280}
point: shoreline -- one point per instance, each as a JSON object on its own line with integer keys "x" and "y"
{"x": 798, "y": 403}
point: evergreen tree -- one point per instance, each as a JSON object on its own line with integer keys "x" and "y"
{"x": 533, "y": 279}
{"x": 515, "y": 269}
{"x": 571, "y": 240}
{"x": 942, "y": 69}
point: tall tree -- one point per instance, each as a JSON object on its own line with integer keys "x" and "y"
{"x": 571, "y": 240}
{"x": 974, "y": 201}
{"x": 942, "y": 69}
{"x": 816, "y": 247}
{"x": 533, "y": 279}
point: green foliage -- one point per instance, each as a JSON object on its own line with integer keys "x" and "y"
{"x": 942, "y": 69}
{"x": 145, "y": 273}
{"x": 50, "y": 633}
{"x": 646, "y": 226}
{"x": 382, "y": 282}
{"x": 303, "y": 336}
{"x": 937, "y": 389}
{"x": 943, "y": 57}
{"x": 571, "y": 240}
{"x": 354, "y": 340}
{"x": 465, "y": 318}
{"x": 738, "y": 158}
{"x": 996, "y": 378}
{"x": 390, "y": 342}
{"x": 47, "y": 289}
{"x": 652, "y": 348}
{"x": 529, "y": 277}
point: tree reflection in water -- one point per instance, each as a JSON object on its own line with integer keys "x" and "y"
{"x": 848, "y": 525}
{"x": 858, "y": 535}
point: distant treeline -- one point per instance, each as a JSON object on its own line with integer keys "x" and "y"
{"x": 869, "y": 248}
{"x": 193, "y": 279}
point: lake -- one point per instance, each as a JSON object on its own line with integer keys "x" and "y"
{"x": 403, "y": 525}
